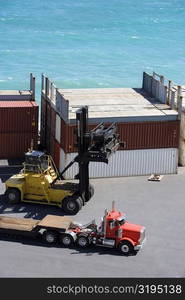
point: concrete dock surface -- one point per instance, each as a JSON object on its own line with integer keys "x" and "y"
{"x": 159, "y": 206}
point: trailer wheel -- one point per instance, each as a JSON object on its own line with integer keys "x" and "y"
{"x": 50, "y": 237}
{"x": 12, "y": 195}
{"x": 91, "y": 192}
{"x": 72, "y": 204}
{"x": 125, "y": 248}
{"x": 67, "y": 240}
{"x": 82, "y": 241}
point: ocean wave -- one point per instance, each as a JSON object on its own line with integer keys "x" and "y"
{"x": 135, "y": 37}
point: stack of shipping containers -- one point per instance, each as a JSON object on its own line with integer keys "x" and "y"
{"x": 150, "y": 141}
{"x": 18, "y": 122}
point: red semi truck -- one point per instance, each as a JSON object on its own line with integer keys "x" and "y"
{"x": 113, "y": 232}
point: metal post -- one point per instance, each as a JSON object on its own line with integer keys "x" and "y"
{"x": 33, "y": 88}
{"x": 42, "y": 82}
{"x": 162, "y": 79}
{"x": 46, "y": 86}
{"x": 172, "y": 99}
{"x": 169, "y": 91}
{"x": 52, "y": 88}
{"x": 179, "y": 107}
{"x": 31, "y": 81}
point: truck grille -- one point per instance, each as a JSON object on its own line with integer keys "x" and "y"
{"x": 142, "y": 236}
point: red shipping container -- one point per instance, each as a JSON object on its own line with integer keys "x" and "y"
{"x": 14, "y": 145}
{"x": 136, "y": 135}
{"x": 18, "y": 116}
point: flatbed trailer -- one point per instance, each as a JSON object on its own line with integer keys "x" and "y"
{"x": 113, "y": 231}
{"x": 34, "y": 228}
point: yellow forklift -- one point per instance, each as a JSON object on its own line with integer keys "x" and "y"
{"x": 40, "y": 182}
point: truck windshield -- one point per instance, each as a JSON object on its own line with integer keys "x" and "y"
{"x": 121, "y": 221}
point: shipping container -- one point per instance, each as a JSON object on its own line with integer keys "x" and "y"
{"x": 127, "y": 163}
{"x": 18, "y": 116}
{"x": 140, "y": 135}
{"x": 14, "y": 145}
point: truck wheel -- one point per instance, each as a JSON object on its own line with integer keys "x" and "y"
{"x": 66, "y": 240}
{"x": 12, "y": 195}
{"x": 82, "y": 241}
{"x": 126, "y": 248}
{"x": 50, "y": 237}
{"x": 71, "y": 205}
{"x": 91, "y": 192}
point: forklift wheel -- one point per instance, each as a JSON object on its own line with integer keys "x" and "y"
{"x": 72, "y": 204}
{"x": 91, "y": 192}
{"x": 12, "y": 195}
{"x": 50, "y": 237}
{"x": 126, "y": 248}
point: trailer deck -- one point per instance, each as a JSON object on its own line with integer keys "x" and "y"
{"x": 29, "y": 225}
{"x": 17, "y": 223}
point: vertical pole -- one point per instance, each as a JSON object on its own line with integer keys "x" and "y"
{"x": 46, "y": 86}
{"x": 162, "y": 79}
{"x": 169, "y": 91}
{"x": 33, "y": 88}
{"x": 52, "y": 92}
{"x": 31, "y": 81}
{"x": 172, "y": 99}
{"x": 179, "y": 107}
{"x": 42, "y": 82}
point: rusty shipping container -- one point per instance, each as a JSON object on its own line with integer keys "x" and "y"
{"x": 140, "y": 135}
{"x": 18, "y": 127}
{"x": 18, "y": 116}
{"x": 14, "y": 145}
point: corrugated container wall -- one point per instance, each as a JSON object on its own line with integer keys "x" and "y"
{"x": 18, "y": 127}
{"x": 140, "y": 135}
{"x": 127, "y": 163}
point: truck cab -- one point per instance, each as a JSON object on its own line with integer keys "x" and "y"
{"x": 115, "y": 231}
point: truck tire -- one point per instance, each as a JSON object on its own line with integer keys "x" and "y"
{"x": 66, "y": 240}
{"x": 12, "y": 195}
{"x": 50, "y": 237}
{"x": 82, "y": 241}
{"x": 126, "y": 248}
{"x": 72, "y": 204}
{"x": 91, "y": 192}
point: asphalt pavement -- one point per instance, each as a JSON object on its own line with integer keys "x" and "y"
{"x": 159, "y": 206}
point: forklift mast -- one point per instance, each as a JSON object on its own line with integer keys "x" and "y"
{"x": 93, "y": 146}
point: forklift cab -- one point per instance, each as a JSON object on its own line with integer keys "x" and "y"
{"x": 35, "y": 161}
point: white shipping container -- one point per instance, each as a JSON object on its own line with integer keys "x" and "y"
{"x": 127, "y": 163}
{"x": 58, "y": 129}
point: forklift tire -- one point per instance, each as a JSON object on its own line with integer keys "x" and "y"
{"x": 91, "y": 192}
{"x": 12, "y": 195}
{"x": 66, "y": 240}
{"x": 50, "y": 237}
{"x": 126, "y": 248}
{"x": 82, "y": 241}
{"x": 72, "y": 204}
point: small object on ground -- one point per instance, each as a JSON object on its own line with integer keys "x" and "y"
{"x": 155, "y": 177}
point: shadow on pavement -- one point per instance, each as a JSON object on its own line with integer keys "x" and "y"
{"x": 35, "y": 211}
{"x": 91, "y": 250}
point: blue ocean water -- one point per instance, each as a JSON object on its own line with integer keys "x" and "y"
{"x": 91, "y": 43}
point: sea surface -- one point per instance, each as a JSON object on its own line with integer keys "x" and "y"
{"x": 97, "y": 43}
